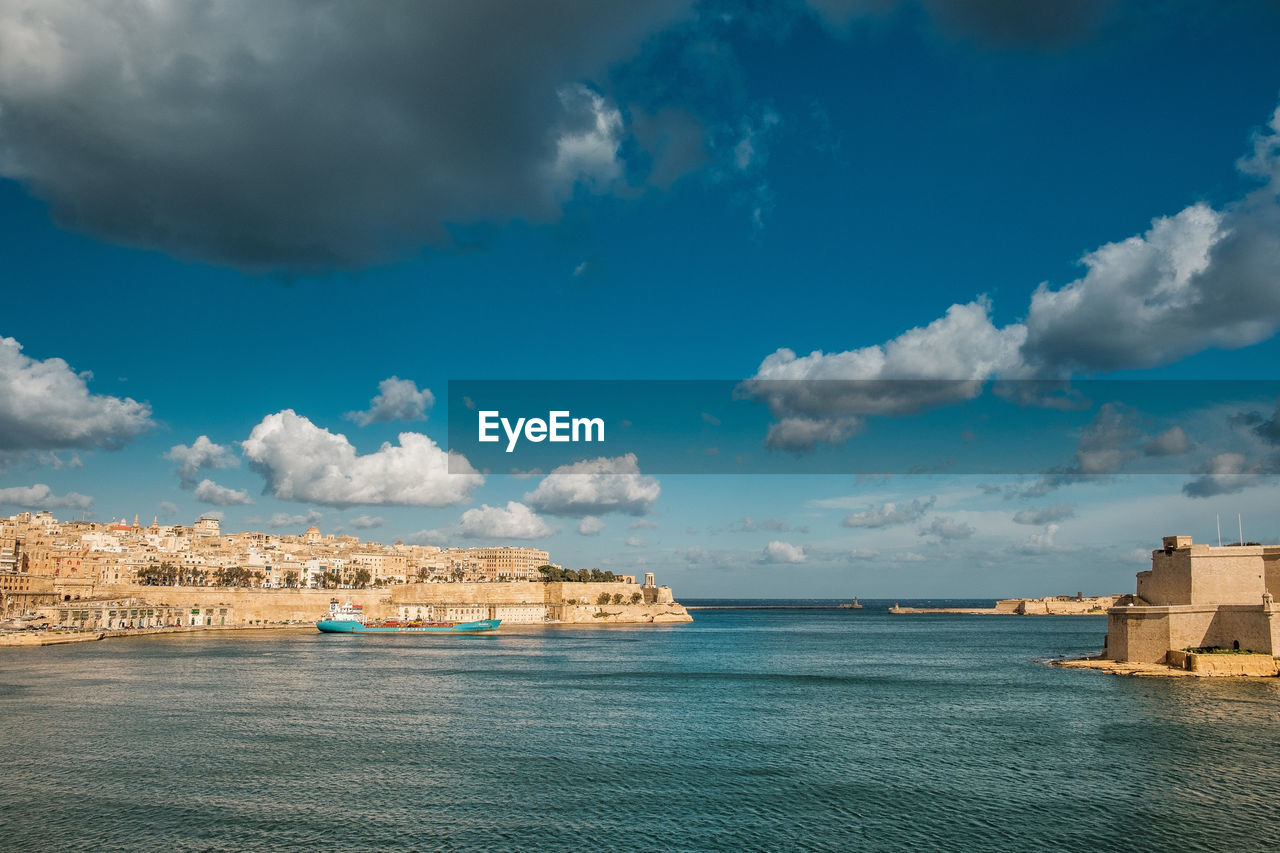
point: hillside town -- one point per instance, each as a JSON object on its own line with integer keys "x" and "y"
{"x": 39, "y": 553}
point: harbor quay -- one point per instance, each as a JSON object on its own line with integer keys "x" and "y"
{"x": 515, "y": 603}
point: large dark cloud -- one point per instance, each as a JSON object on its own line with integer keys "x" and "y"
{"x": 301, "y": 135}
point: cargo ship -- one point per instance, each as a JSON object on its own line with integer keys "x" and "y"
{"x": 349, "y": 619}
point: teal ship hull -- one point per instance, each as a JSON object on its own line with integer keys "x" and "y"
{"x": 347, "y": 626}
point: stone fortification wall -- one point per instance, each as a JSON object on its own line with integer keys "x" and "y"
{"x": 517, "y": 602}
{"x": 1233, "y": 575}
{"x": 1146, "y": 634}
{"x": 1056, "y": 605}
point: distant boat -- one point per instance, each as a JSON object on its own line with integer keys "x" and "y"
{"x": 852, "y": 605}
{"x": 349, "y": 619}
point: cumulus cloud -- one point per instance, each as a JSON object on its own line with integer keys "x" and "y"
{"x": 427, "y": 537}
{"x": 364, "y": 522}
{"x": 40, "y": 496}
{"x": 398, "y": 400}
{"x": 285, "y": 519}
{"x": 783, "y": 552}
{"x": 594, "y": 487}
{"x": 635, "y": 542}
{"x": 1267, "y": 429}
{"x": 590, "y": 526}
{"x": 908, "y": 557}
{"x": 45, "y": 405}
{"x": 168, "y": 509}
{"x": 1171, "y": 442}
{"x": 825, "y": 397}
{"x": 303, "y": 462}
{"x": 1201, "y": 278}
{"x": 299, "y": 135}
{"x": 1110, "y": 441}
{"x": 948, "y": 529}
{"x": 588, "y": 155}
{"x": 1044, "y": 515}
{"x": 1227, "y": 473}
{"x": 863, "y": 554}
{"x": 1041, "y": 542}
{"x": 747, "y": 524}
{"x": 202, "y": 454}
{"x": 207, "y": 491}
{"x": 515, "y": 521}
{"x": 889, "y": 514}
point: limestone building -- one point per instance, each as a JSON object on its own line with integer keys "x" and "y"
{"x": 1199, "y": 596}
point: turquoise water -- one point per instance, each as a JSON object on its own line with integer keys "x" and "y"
{"x": 762, "y": 730}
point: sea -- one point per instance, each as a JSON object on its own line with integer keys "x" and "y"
{"x": 753, "y": 729}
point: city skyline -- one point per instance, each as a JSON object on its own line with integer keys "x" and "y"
{"x": 242, "y": 287}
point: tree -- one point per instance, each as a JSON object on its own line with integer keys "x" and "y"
{"x": 617, "y": 598}
{"x": 635, "y": 597}
{"x": 584, "y": 575}
{"x": 330, "y": 579}
{"x": 604, "y": 598}
{"x": 361, "y": 578}
{"x": 291, "y": 579}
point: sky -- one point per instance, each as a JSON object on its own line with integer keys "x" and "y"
{"x": 989, "y": 289}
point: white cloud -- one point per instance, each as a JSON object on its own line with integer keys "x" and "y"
{"x": 783, "y": 552}
{"x": 202, "y": 454}
{"x": 515, "y": 521}
{"x": 908, "y": 557}
{"x": 823, "y": 397}
{"x": 1040, "y": 543}
{"x": 364, "y": 522}
{"x": 747, "y": 524}
{"x": 45, "y": 405}
{"x": 207, "y": 491}
{"x": 284, "y": 519}
{"x": 1223, "y": 474}
{"x": 590, "y": 525}
{"x": 588, "y": 156}
{"x": 863, "y": 554}
{"x": 1198, "y": 279}
{"x": 1171, "y": 442}
{"x": 635, "y": 542}
{"x": 427, "y": 537}
{"x": 302, "y": 462}
{"x": 398, "y": 400}
{"x": 40, "y": 496}
{"x": 948, "y": 529}
{"x": 1044, "y": 515}
{"x": 594, "y": 487}
{"x": 168, "y": 509}
{"x": 889, "y": 514}
{"x": 1106, "y": 445}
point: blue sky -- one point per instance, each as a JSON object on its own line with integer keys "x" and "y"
{"x": 224, "y": 213}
